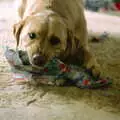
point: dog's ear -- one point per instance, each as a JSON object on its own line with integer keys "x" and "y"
{"x": 71, "y": 47}
{"x": 17, "y": 30}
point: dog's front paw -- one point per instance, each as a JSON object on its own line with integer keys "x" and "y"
{"x": 94, "y": 68}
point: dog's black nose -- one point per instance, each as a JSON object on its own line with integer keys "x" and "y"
{"x": 38, "y": 60}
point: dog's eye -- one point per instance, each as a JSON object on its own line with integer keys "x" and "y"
{"x": 54, "y": 40}
{"x": 32, "y": 36}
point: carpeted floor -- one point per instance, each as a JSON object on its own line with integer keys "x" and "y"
{"x": 108, "y": 99}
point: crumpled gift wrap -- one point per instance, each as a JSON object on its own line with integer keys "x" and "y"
{"x": 55, "y": 72}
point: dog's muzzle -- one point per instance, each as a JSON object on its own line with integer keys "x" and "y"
{"x": 38, "y": 60}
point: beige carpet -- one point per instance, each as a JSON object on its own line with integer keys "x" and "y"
{"x": 18, "y": 102}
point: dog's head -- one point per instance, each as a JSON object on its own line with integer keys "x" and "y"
{"x": 44, "y": 37}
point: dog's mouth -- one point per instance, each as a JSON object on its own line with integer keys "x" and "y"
{"x": 39, "y": 60}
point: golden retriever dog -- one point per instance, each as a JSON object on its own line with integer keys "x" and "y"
{"x": 54, "y": 28}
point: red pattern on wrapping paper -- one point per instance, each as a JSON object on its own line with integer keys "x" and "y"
{"x": 86, "y": 82}
{"x": 68, "y": 69}
{"x": 103, "y": 81}
{"x": 45, "y": 69}
{"x": 62, "y": 66}
{"x": 20, "y": 77}
{"x": 117, "y": 5}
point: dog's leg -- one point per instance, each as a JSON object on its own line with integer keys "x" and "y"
{"x": 89, "y": 61}
{"x": 84, "y": 54}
